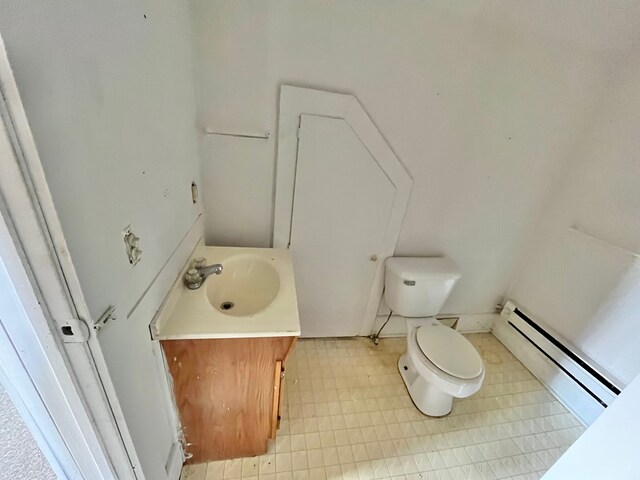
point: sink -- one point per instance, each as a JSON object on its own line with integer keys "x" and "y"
{"x": 247, "y": 285}
{"x": 254, "y": 296}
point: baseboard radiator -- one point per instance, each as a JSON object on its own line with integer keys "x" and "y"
{"x": 577, "y": 381}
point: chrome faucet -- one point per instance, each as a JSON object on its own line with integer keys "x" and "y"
{"x": 195, "y": 277}
{"x": 210, "y": 269}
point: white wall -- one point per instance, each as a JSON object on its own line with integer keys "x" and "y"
{"x": 109, "y": 97}
{"x": 483, "y": 102}
{"x": 581, "y": 273}
{"x": 609, "y": 447}
{"x": 108, "y": 91}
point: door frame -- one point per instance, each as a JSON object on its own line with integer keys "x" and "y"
{"x": 296, "y": 101}
{"x": 15, "y": 373}
{"x": 34, "y": 374}
{"x": 78, "y": 399}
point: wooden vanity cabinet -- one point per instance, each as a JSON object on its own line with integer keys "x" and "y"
{"x": 228, "y": 392}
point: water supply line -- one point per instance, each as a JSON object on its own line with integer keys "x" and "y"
{"x": 376, "y": 337}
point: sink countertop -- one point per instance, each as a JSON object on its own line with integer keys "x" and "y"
{"x": 188, "y": 314}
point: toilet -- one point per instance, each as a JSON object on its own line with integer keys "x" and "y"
{"x": 439, "y": 363}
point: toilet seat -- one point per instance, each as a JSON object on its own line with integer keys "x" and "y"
{"x": 430, "y": 387}
{"x": 449, "y": 351}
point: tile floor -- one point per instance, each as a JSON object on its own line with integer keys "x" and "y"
{"x": 347, "y": 415}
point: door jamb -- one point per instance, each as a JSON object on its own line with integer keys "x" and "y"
{"x": 34, "y": 374}
{"x": 14, "y": 374}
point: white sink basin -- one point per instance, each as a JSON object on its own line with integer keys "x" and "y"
{"x": 254, "y": 296}
{"x": 246, "y": 286}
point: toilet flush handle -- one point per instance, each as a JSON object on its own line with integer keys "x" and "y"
{"x": 410, "y": 283}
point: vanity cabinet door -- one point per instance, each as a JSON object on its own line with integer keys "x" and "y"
{"x": 227, "y": 393}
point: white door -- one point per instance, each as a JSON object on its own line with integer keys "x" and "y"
{"x": 46, "y": 359}
{"x": 341, "y": 210}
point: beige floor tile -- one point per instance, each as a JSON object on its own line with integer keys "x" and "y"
{"x": 347, "y": 415}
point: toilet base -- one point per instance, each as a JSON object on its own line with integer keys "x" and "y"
{"x": 428, "y": 398}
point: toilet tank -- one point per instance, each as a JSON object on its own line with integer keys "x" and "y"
{"x": 418, "y": 286}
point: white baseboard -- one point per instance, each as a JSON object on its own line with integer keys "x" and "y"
{"x": 569, "y": 393}
{"x": 466, "y": 323}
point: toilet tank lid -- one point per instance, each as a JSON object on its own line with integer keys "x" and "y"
{"x": 412, "y": 268}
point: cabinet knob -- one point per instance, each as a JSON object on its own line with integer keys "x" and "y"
{"x": 373, "y": 258}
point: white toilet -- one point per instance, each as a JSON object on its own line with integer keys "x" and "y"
{"x": 439, "y": 363}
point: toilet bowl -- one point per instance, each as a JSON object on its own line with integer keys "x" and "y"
{"x": 439, "y": 363}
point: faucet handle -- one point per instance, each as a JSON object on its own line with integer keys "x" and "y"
{"x": 192, "y": 278}
{"x": 199, "y": 262}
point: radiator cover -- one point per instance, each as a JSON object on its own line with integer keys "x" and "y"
{"x": 582, "y": 385}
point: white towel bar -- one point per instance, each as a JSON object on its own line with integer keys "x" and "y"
{"x": 263, "y": 136}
